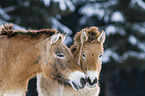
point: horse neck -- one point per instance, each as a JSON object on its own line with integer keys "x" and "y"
{"x": 38, "y": 56}
{"x": 30, "y": 57}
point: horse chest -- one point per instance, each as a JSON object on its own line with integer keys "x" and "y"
{"x": 14, "y": 93}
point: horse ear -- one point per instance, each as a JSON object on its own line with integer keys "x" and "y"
{"x": 101, "y": 37}
{"x": 84, "y": 36}
{"x": 55, "y": 38}
{"x": 63, "y": 36}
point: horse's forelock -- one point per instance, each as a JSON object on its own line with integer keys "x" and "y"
{"x": 92, "y": 33}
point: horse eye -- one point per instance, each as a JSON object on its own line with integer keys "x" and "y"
{"x": 100, "y": 56}
{"x": 60, "y": 55}
{"x": 83, "y": 55}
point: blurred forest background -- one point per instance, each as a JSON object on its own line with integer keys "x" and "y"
{"x": 123, "y": 69}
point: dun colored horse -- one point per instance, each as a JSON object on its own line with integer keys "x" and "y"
{"x": 23, "y": 54}
{"x": 88, "y": 51}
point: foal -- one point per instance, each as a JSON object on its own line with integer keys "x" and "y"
{"x": 87, "y": 50}
{"x": 23, "y": 54}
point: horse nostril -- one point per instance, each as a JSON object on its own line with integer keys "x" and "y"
{"x": 95, "y": 81}
{"x": 75, "y": 86}
{"x": 89, "y": 80}
{"x": 91, "y": 83}
{"x": 83, "y": 82}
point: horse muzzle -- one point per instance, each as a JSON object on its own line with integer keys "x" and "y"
{"x": 77, "y": 80}
{"x": 91, "y": 78}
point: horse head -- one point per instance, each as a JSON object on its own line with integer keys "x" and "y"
{"x": 59, "y": 63}
{"x": 89, "y": 53}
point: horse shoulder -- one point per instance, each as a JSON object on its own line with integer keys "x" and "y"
{"x": 15, "y": 93}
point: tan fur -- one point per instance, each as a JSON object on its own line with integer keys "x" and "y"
{"x": 48, "y": 87}
{"x": 24, "y": 54}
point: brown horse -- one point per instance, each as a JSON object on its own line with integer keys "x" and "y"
{"x": 23, "y": 54}
{"x": 87, "y": 50}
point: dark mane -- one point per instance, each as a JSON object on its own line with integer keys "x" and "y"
{"x": 92, "y": 33}
{"x": 7, "y": 30}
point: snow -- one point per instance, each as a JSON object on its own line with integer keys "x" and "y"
{"x": 9, "y": 8}
{"x": 82, "y": 20}
{"x": 63, "y": 4}
{"x": 67, "y": 40}
{"x": 57, "y": 25}
{"x": 110, "y": 30}
{"x": 139, "y": 27}
{"x": 132, "y": 3}
{"x": 141, "y": 46}
{"x": 15, "y": 26}
{"x": 117, "y": 17}
{"x": 116, "y": 57}
{"x": 58, "y": 16}
{"x": 92, "y": 9}
{"x": 106, "y": 17}
{"x": 131, "y": 53}
{"x": 26, "y": 4}
{"x": 106, "y": 55}
{"x": 70, "y": 5}
{"x": 141, "y": 3}
{"x": 4, "y": 14}
{"x": 110, "y": 53}
{"x": 121, "y": 31}
{"x": 46, "y": 2}
{"x": 142, "y": 30}
{"x": 133, "y": 40}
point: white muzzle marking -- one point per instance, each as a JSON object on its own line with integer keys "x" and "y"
{"x": 91, "y": 75}
{"x": 75, "y": 80}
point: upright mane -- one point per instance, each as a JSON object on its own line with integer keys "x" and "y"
{"x": 92, "y": 33}
{"x": 7, "y": 30}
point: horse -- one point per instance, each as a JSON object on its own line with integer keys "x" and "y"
{"x": 87, "y": 50}
{"x": 23, "y": 54}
